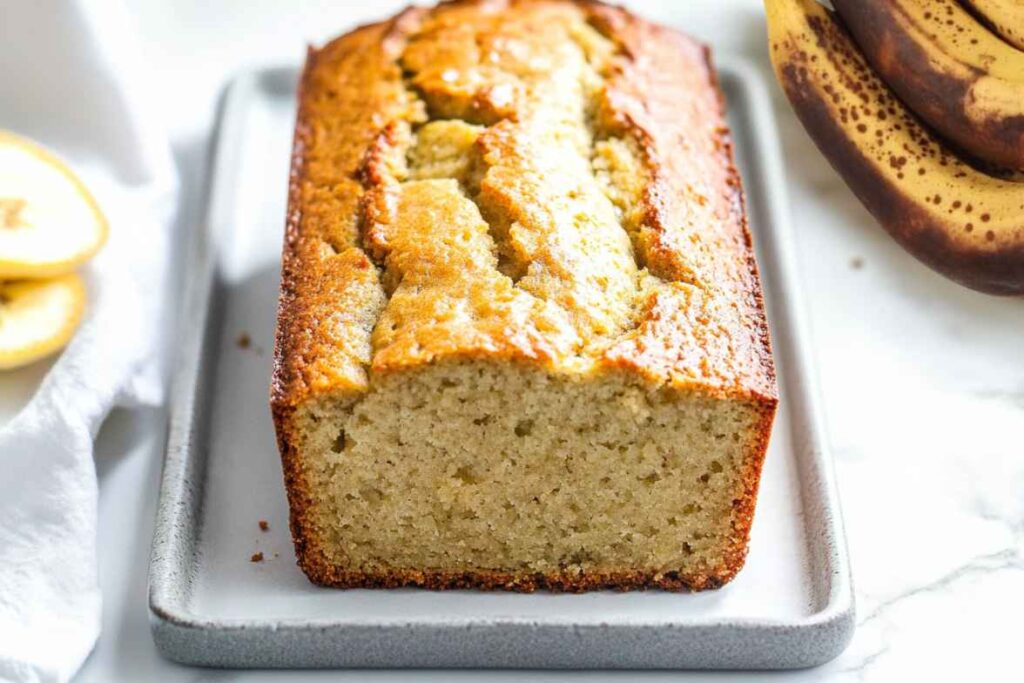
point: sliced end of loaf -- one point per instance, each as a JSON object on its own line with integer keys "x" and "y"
{"x": 508, "y": 476}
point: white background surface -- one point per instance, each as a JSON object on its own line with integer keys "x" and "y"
{"x": 923, "y": 383}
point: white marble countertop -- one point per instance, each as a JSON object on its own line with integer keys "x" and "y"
{"x": 923, "y": 383}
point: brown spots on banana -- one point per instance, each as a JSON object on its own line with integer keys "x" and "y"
{"x": 1004, "y": 17}
{"x": 962, "y": 80}
{"x": 927, "y": 198}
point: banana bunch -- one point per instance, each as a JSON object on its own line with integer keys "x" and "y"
{"x": 920, "y": 108}
{"x": 49, "y": 225}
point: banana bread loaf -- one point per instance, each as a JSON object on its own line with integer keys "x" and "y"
{"x": 521, "y": 342}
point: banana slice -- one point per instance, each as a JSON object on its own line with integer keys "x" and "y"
{"x": 49, "y": 223}
{"x": 38, "y": 317}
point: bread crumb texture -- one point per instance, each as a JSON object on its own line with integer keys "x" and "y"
{"x": 520, "y": 341}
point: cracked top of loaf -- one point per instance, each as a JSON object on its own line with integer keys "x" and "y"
{"x": 541, "y": 181}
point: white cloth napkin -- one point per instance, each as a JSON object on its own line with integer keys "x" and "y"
{"x": 71, "y": 80}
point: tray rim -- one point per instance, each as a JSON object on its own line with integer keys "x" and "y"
{"x": 178, "y": 631}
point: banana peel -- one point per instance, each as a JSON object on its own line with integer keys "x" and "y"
{"x": 1006, "y": 17}
{"x": 964, "y": 223}
{"x": 949, "y": 68}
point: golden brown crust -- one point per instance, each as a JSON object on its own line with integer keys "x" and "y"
{"x": 331, "y": 295}
{"x": 743, "y": 517}
{"x": 707, "y": 333}
{"x": 655, "y": 97}
{"x": 325, "y": 574}
{"x": 330, "y": 289}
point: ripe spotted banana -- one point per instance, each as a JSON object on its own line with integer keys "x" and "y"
{"x": 1006, "y": 17}
{"x": 963, "y": 223}
{"x": 949, "y": 68}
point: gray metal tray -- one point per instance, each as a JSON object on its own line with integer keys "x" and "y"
{"x": 791, "y": 606}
